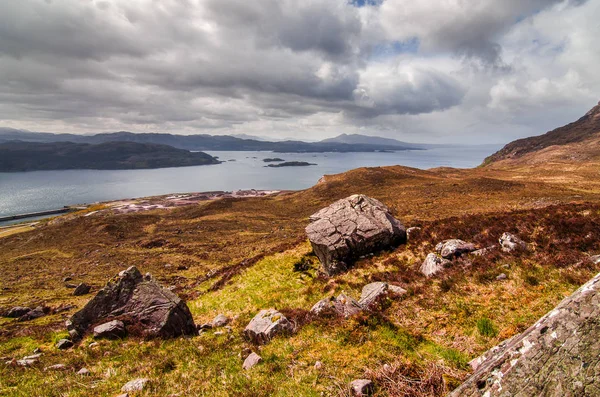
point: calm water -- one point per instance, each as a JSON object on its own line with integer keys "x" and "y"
{"x": 44, "y": 190}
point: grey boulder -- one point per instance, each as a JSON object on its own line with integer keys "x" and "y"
{"x": 266, "y": 325}
{"x": 138, "y": 301}
{"x": 350, "y": 228}
{"x": 433, "y": 264}
{"x": 114, "y": 329}
{"x": 453, "y": 248}
{"x": 509, "y": 243}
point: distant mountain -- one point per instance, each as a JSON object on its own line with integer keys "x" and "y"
{"x": 575, "y": 140}
{"x": 204, "y": 142}
{"x": 31, "y": 156}
{"x": 357, "y": 139}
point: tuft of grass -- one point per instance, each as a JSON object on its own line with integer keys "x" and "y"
{"x": 486, "y": 327}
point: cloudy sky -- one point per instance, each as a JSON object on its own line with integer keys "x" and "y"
{"x": 475, "y": 71}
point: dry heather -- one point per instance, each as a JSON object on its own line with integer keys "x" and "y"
{"x": 237, "y": 256}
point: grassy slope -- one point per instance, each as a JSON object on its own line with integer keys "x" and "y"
{"x": 435, "y": 330}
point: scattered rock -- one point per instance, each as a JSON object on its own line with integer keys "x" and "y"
{"x": 433, "y": 264}
{"x": 372, "y": 294}
{"x": 135, "y": 385}
{"x": 26, "y": 362}
{"x": 484, "y": 251}
{"x": 93, "y": 344}
{"x": 509, "y": 243}
{"x": 453, "y": 248}
{"x": 33, "y": 314}
{"x": 501, "y": 277}
{"x": 82, "y": 289}
{"x": 265, "y": 325}
{"x": 84, "y": 372}
{"x": 204, "y": 327}
{"x": 155, "y": 310}
{"x": 64, "y": 344}
{"x": 362, "y": 387}
{"x": 18, "y": 311}
{"x": 352, "y": 227}
{"x": 251, "y": 361}
{"x": 595, "y": 259}
{"x": 220, "y": 321}
{"x": 343, "y": 306}
{"x": 67, "y": 279}
{"x": 56, "y": 367}
{"x": 557, "y": 356}
{"x": 412, "y": 230}
{"x": 111, "y": 330}
{"x": 318, "y": 365}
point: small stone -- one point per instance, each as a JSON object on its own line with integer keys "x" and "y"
{"x": 509, "y": 243}
{"x": 219, "y": 333}
{"x": 74, "y": 335}
{"x": 114, "y": 329}
{"x": 220, "y": 321}
{"x": 33, "y": 314}
{"x": 433, "y": 264}
{"x": 501, "y": 277}
{"x": 182, "y": 267}
{"x": 82, "y": 289}
{"x": 93, "y": 344}
{"x": 64, "y": 344}
{"x": 56, "y": 367}
{"x": 25, "y": 362}
{"x": 251, "y": 361}
{"x": 84, "y": 372}
{"x": 362, "y": 387}
{"x": 67, "y": 279}
{"x": 265, "y": 325}
{"x": 135, "y": 385}
{"x": 453, "y": 248}
{"x": 37, "y": 350}
{"x": 318, "y": 365}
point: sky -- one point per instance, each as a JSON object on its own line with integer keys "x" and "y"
{"x": 432, "y": 71}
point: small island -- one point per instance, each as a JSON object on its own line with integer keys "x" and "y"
{"x": 290, "y": 164}
{"x": 18, "y": 156}
{"x": 273, "y": 160}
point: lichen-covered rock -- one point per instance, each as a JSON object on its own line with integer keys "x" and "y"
{"x": 509, "y": 243}
{"x": 252, "y": 360}
{"x": 555, "y": 357}
{"x": 453, "y": 248}
{"x": 139, "y": 301}
{"x": 362, "y": 387}
{"x": 433, "y": 264}
{"x": 343, "y": 306}
{"x": 350, "y": 228}
{"x": 373, "y": 294}
{"x": 114, "y": 329}
{"x": 265, "y": 325}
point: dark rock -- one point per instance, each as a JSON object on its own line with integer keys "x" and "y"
{"x": 140, "y": 302}
{"x": 557, "y": 356}
{"x": 265, "y": 325}
{"x": 220, "y": 321}
{"x": 433, "y": 264}
{"x": 453, "y": 248}
{"x": 373, "y": 294}
{"x": 204, "y": 327}
{"x": 350, "y": 228}
{"x": 33, "y": 314}
{"x": 111, "y": 330}
{"x": 362, "y": 387}
{"x": 18, "y": 311}
{"x": 182, "y": 267}
{"x": 71, "y": 285}
{"x": 509, "y": 243}
{"x": 64, "y": 344}
{"x": 82, "y": 289}
{"x": 251, "y": 361}
{"x": 135, "y": 385}
{"x": 67, "y": 279}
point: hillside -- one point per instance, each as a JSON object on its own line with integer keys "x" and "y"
{"x": 202, "y": 142}
{"x": 370, "y": 140}
{"x": 28, "y": 156}
{"x": 587, "y": 128}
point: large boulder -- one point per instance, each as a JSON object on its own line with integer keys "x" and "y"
{"x": 265, "y": 325}
{"x": 557, "y": 356}
{"x": 453, "y": 248}
{"x": 350, "y": 228}
{"x": 139, "y": 302}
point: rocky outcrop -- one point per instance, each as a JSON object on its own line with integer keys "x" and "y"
{"x": 433, "y": 264}
{"x": 350, "y": 228}
{"x": 453, "y": 248}
{"x": 266, "y": 325}
{"x": 140, "y": 302}
{"x": 557, "y": 356}
{"x": 509, "y": 243}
